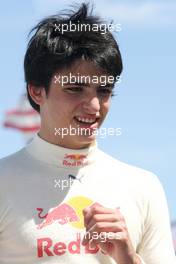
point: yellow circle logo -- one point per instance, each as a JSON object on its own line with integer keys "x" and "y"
{"x": 78, "y": 203}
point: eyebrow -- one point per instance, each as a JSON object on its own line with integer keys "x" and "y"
{"x": 77, "y": 83}
{"x": 110, "y": 85}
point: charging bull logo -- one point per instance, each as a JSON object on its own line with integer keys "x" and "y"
{"x": 62, "y": 214}
{"x": 69, "y": 213}
{"x": 74, "y": 160}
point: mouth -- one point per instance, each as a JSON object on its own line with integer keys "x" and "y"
{"x": 87, "y": 121}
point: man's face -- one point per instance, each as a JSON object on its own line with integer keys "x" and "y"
{"x": 80, "y": 106}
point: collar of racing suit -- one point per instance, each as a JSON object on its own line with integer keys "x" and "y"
{"x": 59, "y": 156}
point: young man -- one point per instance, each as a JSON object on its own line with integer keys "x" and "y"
{"x": 62, "y": 200}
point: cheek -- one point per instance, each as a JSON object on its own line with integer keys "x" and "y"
{"x": 106, "y": 106}
{"x": 63, "y": 109}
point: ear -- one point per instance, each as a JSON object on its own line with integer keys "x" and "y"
{"x": 38, "y": 94}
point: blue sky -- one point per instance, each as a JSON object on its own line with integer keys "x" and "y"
{"x": 144, "y": 107}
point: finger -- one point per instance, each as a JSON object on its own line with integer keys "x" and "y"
{"x": 98, "y": 209}
{"x": 88, "y": 208}
{"x": 102, "y": 218}
{"x": 103, "y": 227}
{"x": 105, "y": 241}
{"x": 110, "y": 236}
{"x": 88, "y": 212}
{"x": 93, "y": 238}
{"x": 93, "y": 244}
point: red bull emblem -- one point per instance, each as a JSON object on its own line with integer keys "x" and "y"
{"x": 74, "y": 160}
{"x": 65, "y": 213}
{"x": 62, "y": 214}
{"x": 46, "y": 247}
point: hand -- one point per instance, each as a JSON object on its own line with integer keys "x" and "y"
{"x": 107, "y": 228}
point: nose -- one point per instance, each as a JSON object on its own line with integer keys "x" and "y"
{"x": 92, "y": 105}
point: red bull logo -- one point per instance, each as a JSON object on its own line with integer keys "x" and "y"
{"x": 69, "y": 213}
{"x": 62, "y": 214}
{"x": 47, "y": 247}
{"x": 74, "y": 160}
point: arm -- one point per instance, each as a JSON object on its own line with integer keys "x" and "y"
{"x": 156, "y": 246}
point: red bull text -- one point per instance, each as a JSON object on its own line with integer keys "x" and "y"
{"x": 74, "y": 160}
{"x": 46, "y": 247}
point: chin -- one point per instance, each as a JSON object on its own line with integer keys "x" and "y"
{"x": 85, "y": 141}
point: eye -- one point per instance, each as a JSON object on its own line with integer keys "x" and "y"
{"x": 74, "y": 89}
{"x": 105, "y": 91}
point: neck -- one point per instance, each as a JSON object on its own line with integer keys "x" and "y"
{"x": 66, "y": 142}
{"x": 59, "y": 156}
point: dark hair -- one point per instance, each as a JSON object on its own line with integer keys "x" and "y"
{"x": 50, "y": 50}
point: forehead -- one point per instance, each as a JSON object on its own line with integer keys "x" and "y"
{"x": 82, "y": 67}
